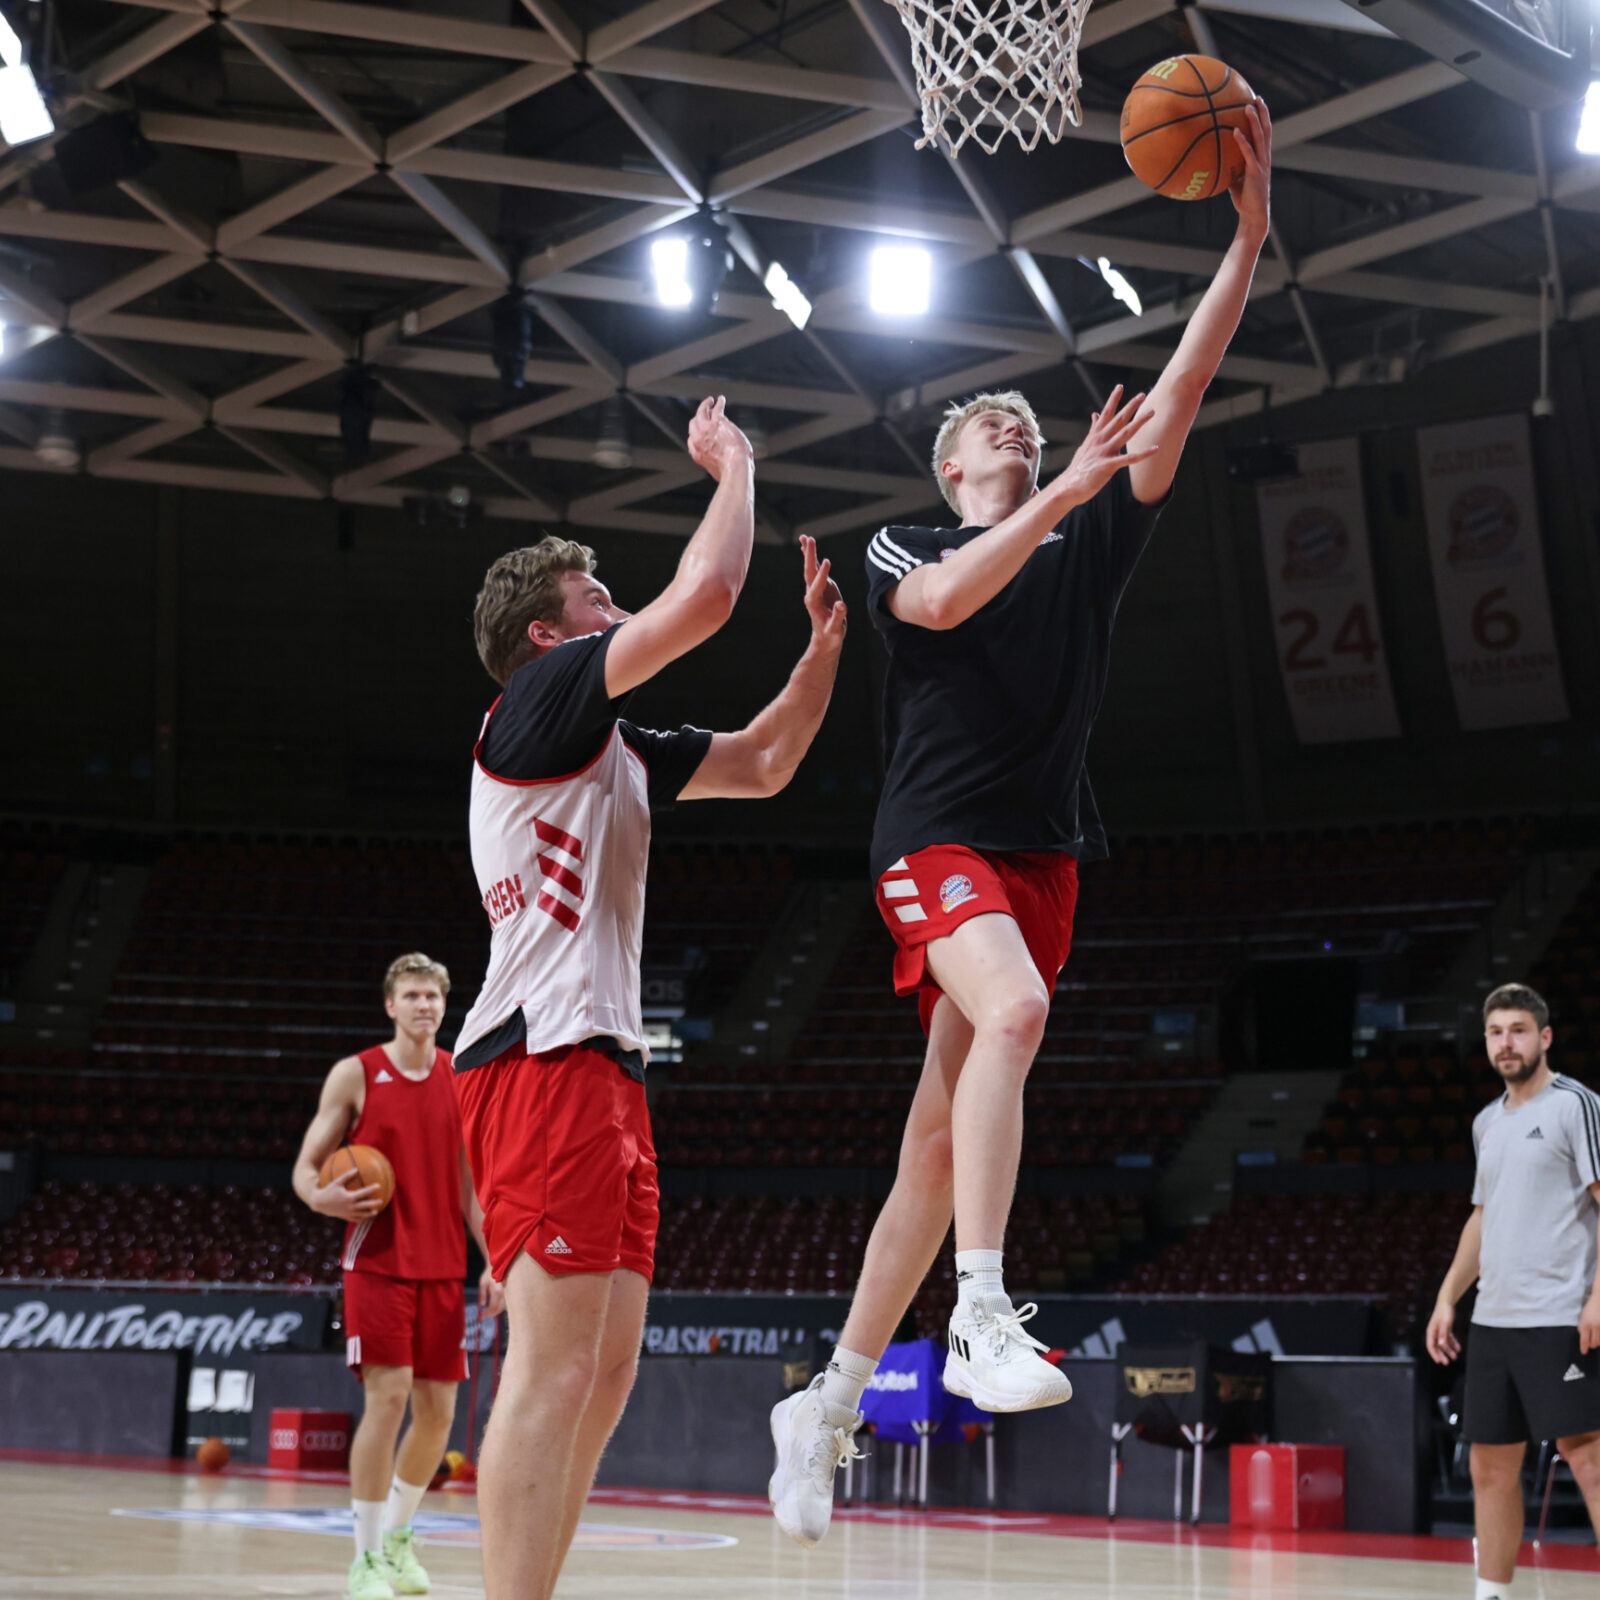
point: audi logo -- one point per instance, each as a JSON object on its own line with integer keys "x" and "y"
{"x": 324, "y": 1439}
{"x": 285, "y": 1438}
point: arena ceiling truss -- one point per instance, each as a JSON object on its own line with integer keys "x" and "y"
{"x": 340, "y": 183}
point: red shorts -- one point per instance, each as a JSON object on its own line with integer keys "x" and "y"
{"x": 931, "y": 892}
{"x": 419, "y": 1323}
{"x": 563, "y": 1161}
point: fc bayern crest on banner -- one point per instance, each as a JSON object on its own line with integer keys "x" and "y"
{"x": 956, "y": 890}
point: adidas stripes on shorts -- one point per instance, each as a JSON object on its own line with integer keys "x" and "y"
{"x": 1529, "y": 1383}
{"x": 563, "y": 1161}
{"x": 406, "y": 1322}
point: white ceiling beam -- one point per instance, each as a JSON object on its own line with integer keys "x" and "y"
{"x": 1404, "y": 172}
{"x": 438, "y": 205}
{"x": 148, "y": 373}
{"x": 271, "y": 140}
{"x": 280, "y": 295}
{"x": 880, "y": 511}
{"x": 267, "y": 49}
{"x": 910, "y": 222}
{"x": 201, "y": 335}
{"x": 713, "y": 347}
{"x": 149, "y": 45}
{"x": 228, "y": 479}
{"x": 1435, "y": 293}
{"x": 80, "y": 227}
{"x": 639, "y": 487}
{"x": 38, "y": 302}
{"x": 136, "y": 443}
{"x": 644, "y": 22}
{"x": 578, "y": 338}
{"x": 399, "y": 465}
{"x": 831, "y": 141}
{"x": 479, "y": 364}
{"x": 757, "y": 77}
{"x": 436, "y": 417}
{"x": 1108, "y": 21}
{"x": 325, "y": 425}
{"x": 189, "y": 230}
{"x": 290, "y": 201}
{"x": 473, "y": 108}
{"x": 526, "y": 172}
{"x": 297, "y": 375}
{"x": 438, "y": 33}
{"x": 85, "y": 397}
{"x": 96, "y": 307}
{"x": 1431, "y": 229}
{"x": 418, "y": 320}
{"x": 598, "y": 241}
{"x": 1306, "y": 13}
{"x": 746, "y": 392}
{"x": 520, "y": 418}
{"x": 380, "y": 261}
{"x": 656, "y": 138}
{"x": 528, "y": 498}
{"x": 265, "y": 448}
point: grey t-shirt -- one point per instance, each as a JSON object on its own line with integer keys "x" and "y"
{"x": 1535, "y": 1165}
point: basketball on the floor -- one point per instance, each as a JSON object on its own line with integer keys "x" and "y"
{"x": 212, "y": 1456}
{"x": 371, "y": 1167}
{"x": 1176, "y": 127}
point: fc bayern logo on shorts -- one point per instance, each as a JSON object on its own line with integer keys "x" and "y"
{"x": 956, "y": 890}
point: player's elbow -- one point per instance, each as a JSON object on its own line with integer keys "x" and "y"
{"x": 770, "y": 776}
{"x": 710, "y": 598}
{"x": 939, "y": 610}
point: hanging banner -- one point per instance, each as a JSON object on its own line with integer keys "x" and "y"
{"x": 1488, "y": 572}
{"x": 1324, "y": 612}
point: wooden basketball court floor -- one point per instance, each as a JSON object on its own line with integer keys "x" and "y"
{"x": 82, "y": 1530}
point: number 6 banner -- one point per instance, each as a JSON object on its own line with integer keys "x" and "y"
{"x": 1488, "y": 573}
{"x": 1319, "y": 579}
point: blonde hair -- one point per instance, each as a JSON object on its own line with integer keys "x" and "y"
{"x": 1010, "y": 401}
{"x": 522, "y": 587}
{"x": 415, "y": 963}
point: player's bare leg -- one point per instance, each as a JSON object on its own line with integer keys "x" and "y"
{"x": 1582, "y": 1455}
{"x": 385, "y": 1391}
{"x": 1497, "y": 1511}
{"x": 910, "y": 1228}
{"x": 545, "y": 1386}
{"x": 433, "y": 1409}
{"x": 613, "y": 1383}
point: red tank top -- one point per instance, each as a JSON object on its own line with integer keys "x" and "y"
{"x": 417, "y": 1124}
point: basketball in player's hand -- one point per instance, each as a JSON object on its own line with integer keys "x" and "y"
{"x": 1177, "y": 127}
{"x": 370, "y": 1167}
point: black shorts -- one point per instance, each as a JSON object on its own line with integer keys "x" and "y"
{"x": 1529, "y": 1383}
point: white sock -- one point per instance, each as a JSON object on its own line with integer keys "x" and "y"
{"x": 369, "y": 1525}
{"x": 978, "y": 1276}
{"x": 401, "y": 1506}
{"x": 846, "y": 1377}
{"x": 1492, "y": 1591}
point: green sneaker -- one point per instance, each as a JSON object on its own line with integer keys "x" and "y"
{"x": 400, "y": 1555}
{"x": 369, "y": 1578}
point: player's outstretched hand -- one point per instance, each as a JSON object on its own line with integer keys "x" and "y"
{"x": 338, "y": 1199}
{"x": 1441, "y": 1339}
{"x": 824, "y": 604}
{"x": 1589, "y": 1325}
{"x": 491, "y": 1297}
{"x": 1252, "y": 194}
{"x": 1110, "y": 446}
{"x": 714, "y": 442}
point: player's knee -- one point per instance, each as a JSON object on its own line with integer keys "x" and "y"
{"x": 1016, "y": 1015}
{"x": 1495, "y": 1470}
{"x": 927, "y": 1158}
{"x": 1582, "y": 1455}
{"x": 386, "y": 1403}
{"x": 614, "y": 1383}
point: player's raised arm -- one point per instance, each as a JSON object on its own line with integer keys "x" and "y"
{"x": 759, "y": 760}
{"x": 700, "y": 598}
{"x": 1176, "y": 398}
{"x": 944, "y": 594}
{"x": 337, "y": 1111}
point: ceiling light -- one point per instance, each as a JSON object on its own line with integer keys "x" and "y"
{"x": 1589, "y": 122}
{"x": 669, "y": 260}
{"x": 55, "y": 446}
{"x": 612, "y": 447}
{"x": 511, "y": 338}
{"x": 900, "y": 280}
{"x": 23, "y": 114}
{"x": 786, "y": 295}
{"x": 10, "y": 44}
{"x": 1121, "y": 288}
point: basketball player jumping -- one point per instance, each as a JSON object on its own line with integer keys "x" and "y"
{"x": 1532, "y": 1244}
{"x": 404, "y": 1308}
{"x": 550, "y": 1062}
{"x": 999, "y": 637}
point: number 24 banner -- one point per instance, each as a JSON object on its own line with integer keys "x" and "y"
{"x": 1324, "y": 613}
{"x": 1488, "y": 573}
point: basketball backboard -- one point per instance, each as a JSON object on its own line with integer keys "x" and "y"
{"x": 1535, "y": 52}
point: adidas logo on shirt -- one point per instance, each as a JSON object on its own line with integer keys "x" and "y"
{"x": 383, "y": 1076}
{"x": 1573, "y": 1374}
{"x": 558, "y": 1247}
{"x": 1535, "y": 1133}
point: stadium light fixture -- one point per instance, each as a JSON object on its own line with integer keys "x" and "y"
{"x": 1589, "y": 122}
{"x": 1120, "y": 287}
{"x": 23, "y": 113}
{"x": 900, "y": 280}
{"x": 786, "y": 295}
{"x": 613, "y": 449}
{"x": 669, "y": 261}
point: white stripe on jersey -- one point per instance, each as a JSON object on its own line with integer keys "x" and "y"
{"x": 354, "y": 1247}
{"x": 885, "y": 553}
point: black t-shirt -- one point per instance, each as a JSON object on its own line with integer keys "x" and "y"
{"x": 985, "y": 724}
{"x": 555, "y": 716}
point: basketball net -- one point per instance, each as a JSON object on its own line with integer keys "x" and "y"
{"x": 986, "y": 68}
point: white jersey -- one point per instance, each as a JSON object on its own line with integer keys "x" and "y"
{"x": 560, "y": 827}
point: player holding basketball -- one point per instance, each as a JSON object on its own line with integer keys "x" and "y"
{"x": 999, "y": 637}
{"x": 405, "y": 1317}
{"x": 1532, "y": 1245}
{"x": 550, "y": 1062}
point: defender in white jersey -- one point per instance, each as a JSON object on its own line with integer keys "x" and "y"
{"x": 550, "y": 1061}
{"x": 1532, "y": 1244}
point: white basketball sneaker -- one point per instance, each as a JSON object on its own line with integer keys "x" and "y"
{"x": 812, "y": 1440}
{"x": 997, "y": 1366}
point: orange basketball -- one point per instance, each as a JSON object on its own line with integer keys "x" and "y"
{"x": 1175, "y": 127}
{"x": 212, "y": 1456}
{"x": 371, "y": 1166}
